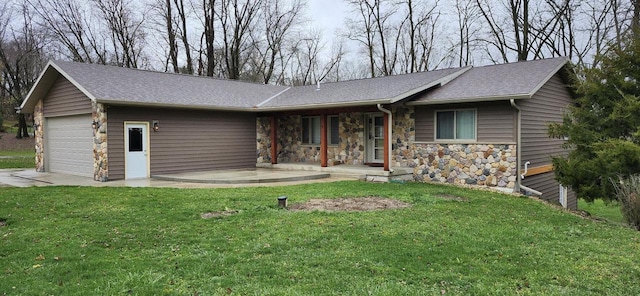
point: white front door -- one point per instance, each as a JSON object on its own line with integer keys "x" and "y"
{"x": 375, "y": 140}
{"x": 136, "y": 146}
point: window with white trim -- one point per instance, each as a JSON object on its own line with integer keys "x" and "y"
{"x": 456, "y": 124}
{"x": 311, "y": 130}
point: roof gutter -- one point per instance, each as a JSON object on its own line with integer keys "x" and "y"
{"x": 322, "y": 106}
{"x": 518, "y": 145}
{"x": 470, "y": 100}
{"x": 389, "y": 134}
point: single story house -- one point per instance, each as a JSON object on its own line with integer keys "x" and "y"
{"x": 482, "y": 126}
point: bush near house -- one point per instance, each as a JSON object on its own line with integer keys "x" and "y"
{"x": 628, "y": 193}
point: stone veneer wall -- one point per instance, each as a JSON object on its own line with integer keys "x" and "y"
{"x": 350, "y": 149}
{"x": 38, "y": 121}
{"x": 100, "y": 152}
{"x": 263, "y": 139}
{"x": 488, "y": 164}
{"x": 404, "y": 135}
{"x": 473, "y": 164}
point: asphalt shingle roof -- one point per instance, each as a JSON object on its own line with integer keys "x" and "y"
{"x": 384, "y": 90}
{"x": 504, "y": 81}
{"x": 123, "y": 85}
{"x": 116, "y": 85}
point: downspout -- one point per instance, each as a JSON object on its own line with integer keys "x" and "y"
{"x": 389, "y": 134}
{"x": 516, "y": 189}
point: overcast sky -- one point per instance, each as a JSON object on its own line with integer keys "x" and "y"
{"x": 327, "y": 15}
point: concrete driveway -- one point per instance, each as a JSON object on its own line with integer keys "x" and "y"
{"x": 29, "y": 178}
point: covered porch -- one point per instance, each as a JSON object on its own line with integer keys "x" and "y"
{"x": 355, "y": 140}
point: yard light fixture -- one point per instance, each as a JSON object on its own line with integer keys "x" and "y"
{"x": 95, "y": 124}
{"x": 156, "y": 125}
{"x": 282, "y": 202}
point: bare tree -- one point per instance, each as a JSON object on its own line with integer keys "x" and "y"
{"x": 208, "y": 34}
{"x": 385, "y": 31}
{"x": 278, "y": 22}
{"x": 167, "y": 27}
{"x": 21, "y": 57}
{"x": 523, "y": 29}
{"x": 309, "y": 66}
{"x": 237, "y": 19}
{"x": 417, "y": 35}
{"x": 68, "y": 21}
{"x": 363, "y": 31}
{"x": 467, "y": 17}
{"x": 125, "y": 29}
{"x": 184, "y": 34}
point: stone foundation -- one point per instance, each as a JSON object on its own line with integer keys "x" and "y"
{"x": 471, "y": 164}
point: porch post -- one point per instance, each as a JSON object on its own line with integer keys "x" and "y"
{"x": 274, "y": 139}
{"x": 387, "y": 141}
{"x": 323, "y": 140}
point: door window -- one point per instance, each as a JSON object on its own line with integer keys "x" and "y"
{"x": 135, "y": 139}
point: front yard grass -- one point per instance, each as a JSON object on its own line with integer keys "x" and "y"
{"x": 153, "y": 241}
{"x": 600, "y": 209}
{"x": 14, "y": 159}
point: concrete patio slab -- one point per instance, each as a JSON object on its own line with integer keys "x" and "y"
{"x": 29, "y": 178}
{"x": 258, "y": 175}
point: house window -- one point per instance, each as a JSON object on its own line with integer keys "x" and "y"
{"x": 456, "y": 125}
{"x": 334, "y": 132}
{"x": 311, "y": 130}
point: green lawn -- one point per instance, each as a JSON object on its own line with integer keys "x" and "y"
{"x": 151, "y": 241}
{"x": 599, "y": 209}
{"x": 17, "y": 159}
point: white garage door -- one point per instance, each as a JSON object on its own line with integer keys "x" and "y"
{"x": 69, "y": 145}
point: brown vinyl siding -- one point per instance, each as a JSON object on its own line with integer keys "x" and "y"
{"x": 572, "y": 202}
{"x": 65, "y": 99}
{"x": 546, "y": 106}
{"x": 188, "y": 140}
{"x": 550, "y": 189}
{"x": 495, "y": 122}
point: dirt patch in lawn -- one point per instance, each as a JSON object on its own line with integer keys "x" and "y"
{"x": 452, "y": 197}
{"x": 8, "y": 141}
{"x": 349, "y": 204}
{"x": 219, "y": 214}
